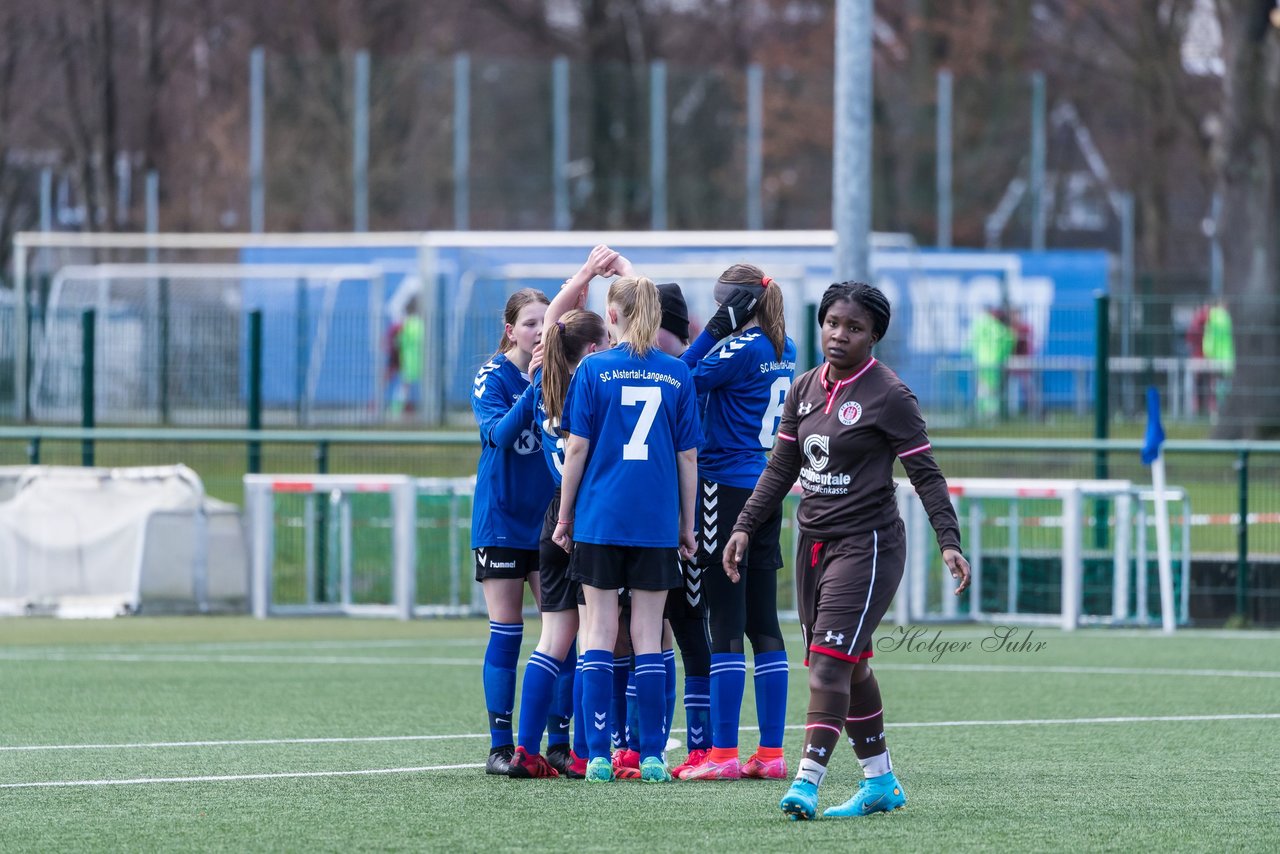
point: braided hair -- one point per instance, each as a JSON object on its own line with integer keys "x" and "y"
{"x": 871, "y": 298}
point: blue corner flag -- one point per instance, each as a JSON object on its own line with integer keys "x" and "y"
{"x": 1155, "y": 430}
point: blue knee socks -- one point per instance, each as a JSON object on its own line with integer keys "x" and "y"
{"x": 500, "y": 660}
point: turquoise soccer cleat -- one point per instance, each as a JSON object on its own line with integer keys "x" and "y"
{"x": 599, "y": 770}
{"x": 654, "y": 770}
{"x": 801, "y": 801}
{"x": 877, "y": 794}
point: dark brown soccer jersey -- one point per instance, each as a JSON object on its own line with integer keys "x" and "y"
{"x": 840, "y": 439}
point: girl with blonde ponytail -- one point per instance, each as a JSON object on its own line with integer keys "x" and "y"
{"x": 635, "y": 313}
{"x": 631, "y": 459}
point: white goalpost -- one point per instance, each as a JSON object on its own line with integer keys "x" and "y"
{"x": 169, "y": 335}
{"x": 1036, "y": 529}
{"x": 395, "y": 517}
{"x": 458, "y": 279}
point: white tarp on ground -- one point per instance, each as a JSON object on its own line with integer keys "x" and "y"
{"x": 95, "y": 542}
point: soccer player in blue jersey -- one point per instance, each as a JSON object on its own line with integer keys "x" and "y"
{"x": 627, "y": 505}
{"x": 745, "y": 378}
{"x": 686, "y": 614}
{"x": 569, "y": 334}
{"x": 513, "y": 488}
{"x": 686, "y": 611}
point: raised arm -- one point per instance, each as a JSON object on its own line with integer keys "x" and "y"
{"x": 573, "y": 294}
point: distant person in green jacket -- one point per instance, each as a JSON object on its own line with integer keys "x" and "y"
{"x": 991, "y": 343}
{"x": 405, "y": 361}
{"x": 1219, "y": 347}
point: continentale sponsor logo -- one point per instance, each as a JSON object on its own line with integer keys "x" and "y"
{"x": 814, "y": 477}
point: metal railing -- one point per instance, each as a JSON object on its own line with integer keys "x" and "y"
{"x": 1233, "y": 487}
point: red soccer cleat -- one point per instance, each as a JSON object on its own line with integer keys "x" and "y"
{"x": 696, "y": 757}
{"x": 529, "y": 766}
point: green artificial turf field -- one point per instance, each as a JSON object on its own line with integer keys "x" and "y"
{"x": 340, "y": 735}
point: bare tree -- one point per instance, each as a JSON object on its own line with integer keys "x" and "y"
{"x": 1246, "y": 155}
{"x": 16, "y": 208}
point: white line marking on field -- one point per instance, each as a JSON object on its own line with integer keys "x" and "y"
{"x": 171, "y": 658}
{"x": 1260, "y": 716}
{"x": 951, "y": 631}
{"x": 1084, "y": 669}
{"x": 1155, "y": 633}
{"x": 1265, "y": 716}
{"x": 246, "y": 646}
{"x": 244, "y": 742}
{"x": 224, "y": 778}
{"x": 151, "y": 649}
{"x": 358, "y": 660}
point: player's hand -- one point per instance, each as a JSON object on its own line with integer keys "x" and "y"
{"x": 622, "y": 266}
{"x": 733, "y": 314}
{"x": 563, "y": 536}
{"x": 734, "y": 549}
{"x": 536, "y": 361}
{"x": 688, "y": 544}
{"x": 959, "y": 568}
{"x": 601, "y": 261}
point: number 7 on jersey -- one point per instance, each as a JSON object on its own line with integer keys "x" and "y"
{"x": 650, "y": 397}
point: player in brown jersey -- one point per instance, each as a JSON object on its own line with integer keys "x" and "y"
{"x": 843, "y": 425}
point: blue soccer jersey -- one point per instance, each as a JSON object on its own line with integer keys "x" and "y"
{"x": 638, "y": 413}
{"x": 552, "y": 441}
{"x": 513, "y": 486}
{"x": 745, "y": 384}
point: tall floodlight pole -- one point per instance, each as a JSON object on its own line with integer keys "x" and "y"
{"x": 360, "y": 145}
{"x": 257, "y": 147}
{"x": 851, "y": 196}
{"x": 560, "y": 142}
{"x": 944, "y": 158}
{"x": 461, "y": 142}
{"x": 1038, "y": 145}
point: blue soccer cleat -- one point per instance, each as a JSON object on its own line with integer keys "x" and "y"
{"x": 877, "y": 794}
{"x": 801, "y": 801}
{"x": 599, "y": 770}
{"x": 654, "y": 770}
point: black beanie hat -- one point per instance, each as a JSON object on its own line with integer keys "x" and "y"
{"x": 675, "y": 312}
